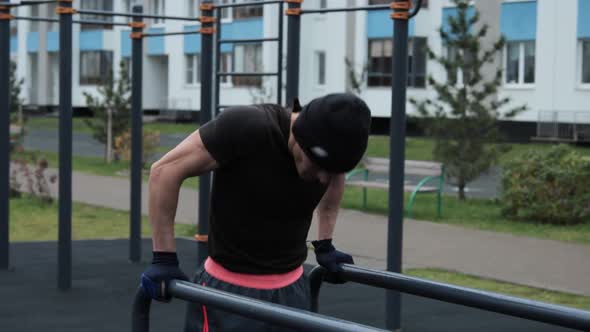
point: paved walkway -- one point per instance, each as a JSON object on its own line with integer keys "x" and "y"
{"x": 527, "y": 261}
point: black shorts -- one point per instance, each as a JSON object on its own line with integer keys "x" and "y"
{"x": 200, "y": 318}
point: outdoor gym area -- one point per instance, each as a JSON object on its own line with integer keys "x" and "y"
{"x": 92, "y": 285}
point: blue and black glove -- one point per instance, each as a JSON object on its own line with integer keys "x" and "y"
{"x": 154, "y": 280}
{"x": 330, "y": 258}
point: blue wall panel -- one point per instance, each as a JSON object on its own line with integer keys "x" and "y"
{"x": 13, "y": 44}
{"x": 91, "y": 40}
{"x": 584, "y": 18}
{"x": 192, "y": 43}
{"x": 380, "y": 25}
{"x": 155, "y": 45}
{"x": 32, "y": 42}
{"x": 519, "y": 20}
{"x": 53, "y": 41}
{"x": 453, "y": 12}
{"x": 125, "y": 44}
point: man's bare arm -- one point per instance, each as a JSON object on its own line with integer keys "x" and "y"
{"x": 328, "y": 207}
{"x": 189, "y": 158}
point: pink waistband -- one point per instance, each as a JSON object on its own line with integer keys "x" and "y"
{"x": 258, "y": 281}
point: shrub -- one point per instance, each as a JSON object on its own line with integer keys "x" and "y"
{"x": 151, "y": 142}
{"x": 24, "y": 179}
{"x": 551, "y": 187}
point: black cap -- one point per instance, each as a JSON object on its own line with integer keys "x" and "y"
{"x": 333, "y": 131}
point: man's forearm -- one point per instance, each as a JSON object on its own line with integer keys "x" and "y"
{"x": 163, "y": 200}
{"x": 326, "y": 223}
{"x": 329, "y": 206}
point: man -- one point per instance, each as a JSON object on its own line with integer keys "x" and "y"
{"x": 272, "y": 168}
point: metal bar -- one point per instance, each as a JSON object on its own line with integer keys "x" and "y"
{"x": 255, "y": 40}
{"x": 136, "y": 141}
{"x": 416, "y": 8}
{"x": 268, "y": 312}
{"x": 247, "y": 4}
{"x": 36, "y": 19}
{"x": 46, "y": 19}
{"x": 26, "y": 3}
{"x": 509, "y": 305}
{"x": 225, "y": 106}
{"x": 397, "y": 139}
{"x": 293, "y": 48}
{"x": 344, "y": 9}
{"x": 216, "y": 79}
{"x": 280, "y": 57}
{"x": 4, "y": 140}
{"x": 109, "y": 13}
{"x": 196, "y": 32}
{"x": 247, "y": 74}
{"x": 65, "y": 150}
{"x": 205, "y": 116}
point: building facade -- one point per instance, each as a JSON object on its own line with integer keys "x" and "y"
{"x": 546, "y": 59}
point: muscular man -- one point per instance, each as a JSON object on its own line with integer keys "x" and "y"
{"x": 273, "y": 166}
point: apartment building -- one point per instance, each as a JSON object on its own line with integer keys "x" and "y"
{"x": 546, "y": 59}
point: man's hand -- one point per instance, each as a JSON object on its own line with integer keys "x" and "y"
{"x": 154, "y": 280}
{"x": 330, "y": 258}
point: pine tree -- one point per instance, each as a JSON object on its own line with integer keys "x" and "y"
{"x": 111, "y": 109}
{"x": 464, "y": 118}
{"x": 15, "y": 91}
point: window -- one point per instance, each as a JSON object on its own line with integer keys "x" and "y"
{"x": 225, "y": 66}
{"x": 380, "y": 62}
{"x": 247, "y": 58}
{"x": 585, "y": 61}
{"x": 95, "y": 66}
{"x": 323, "y": 4}
{"x": 320, "y": 67}
{"x": 461, "y": 76}
{"x": 159, "y": 9}
{"x": 192, "y": 7}
{"x": 104, "y": 5}
{"x": 226, "y": 13}
{"x": 129, "y": 66}
{"x": 193, "y": 73}
{"x": 520, "y": 63}
{"x": 387, "y": 2}
{"x": 34, "y": 25}
{"x": 247, "y": 11}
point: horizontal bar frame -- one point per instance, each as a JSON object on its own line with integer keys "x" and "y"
{"x": 489, "y": 301}
{"x": 109, "y": 13}
{"x": 156, "y": 34}
{"x": 55, "y": 20}
{"x": 244, "y": 41}
{"x": 27, "y": 3}
{"x": 248, "y": 4}
{"x": 246, "y": 74}
{"x": 264, "y": 311}
{"x": 345, "y": 9}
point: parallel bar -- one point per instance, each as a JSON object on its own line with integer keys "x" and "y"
{"x": 216, "y": 79}
{"x": 4, "y": 141}
{"x": 255, "y": 40}
{"x": 109, "y": 13}
{"x": 247, "y": 4}
{"x": 509, "y": 305}
{"x": 65, "y": 151}
{"x": 247, "y": 74}
{"x": 225, "y": 106}
{"x": 26, "y": 3}
{"x": 397, "y": 139}
{"x": 136, "y": 141}
{"x": 171, "y": 33}
{"x": 293, "y": 49}
{"x": 344, "y": 9}
{"x": 205, "y": 115}
{"x": 46, "y": 19}
{"x": 268, "y": 312}
{"x": 280, "y": 57}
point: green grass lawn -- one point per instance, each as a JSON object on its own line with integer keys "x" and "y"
{"x": 537, "y": 294}
{"x": 31, "y": 220}
{"x": 79, "y": 125}
{"x": 420, "y": 148}
{"x": 473, "y": 213}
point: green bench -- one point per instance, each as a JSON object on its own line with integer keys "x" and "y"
{"x": 432, "y": 171}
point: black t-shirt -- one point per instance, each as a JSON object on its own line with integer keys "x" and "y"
{"x": 261, "y": 209}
